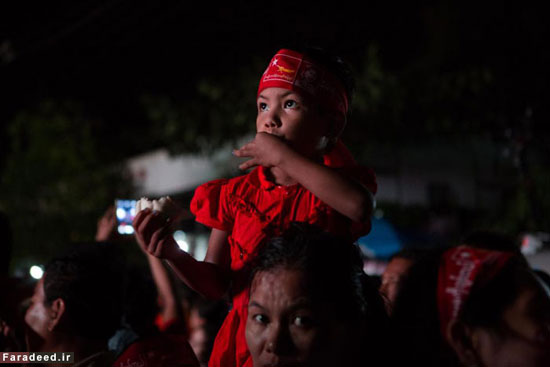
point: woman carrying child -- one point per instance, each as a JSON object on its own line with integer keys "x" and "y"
{"x": 302, "y": 173}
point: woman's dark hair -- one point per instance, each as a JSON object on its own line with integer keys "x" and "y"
{"x": 415, "y": 316}
{"x": 333, "y": 267}
{"x": 89, "y": 280}
{"x": 333, "y": 264}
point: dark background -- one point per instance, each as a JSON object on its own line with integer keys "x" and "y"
{"x": 443, "y": 70}
{"x": 108, "y": 53}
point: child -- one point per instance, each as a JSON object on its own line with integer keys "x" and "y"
{"x": 302, "y": 173}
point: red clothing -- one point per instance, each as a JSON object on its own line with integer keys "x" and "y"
{"x": 251, "y": 208}
{"x": 161, "y": 350}
{"x": 171, "y": 326}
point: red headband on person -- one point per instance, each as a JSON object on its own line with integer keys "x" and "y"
{"x": 459, "y": 269}
{"x": 294, "y": 71}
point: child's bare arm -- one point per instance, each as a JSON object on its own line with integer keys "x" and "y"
{"x": 344, "y": 194}
{"x": 208, "y": 277}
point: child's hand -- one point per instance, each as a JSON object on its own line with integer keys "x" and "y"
{"x": 265, "y": 150}
{"x": 154, "y": 235}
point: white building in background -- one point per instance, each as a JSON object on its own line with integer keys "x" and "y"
{"x": 463, "y": 172}
{"x": 410, "y": 175}
{"x": 158, "y": 173}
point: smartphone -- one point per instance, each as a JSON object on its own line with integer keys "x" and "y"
{"x": 125, "y": 213}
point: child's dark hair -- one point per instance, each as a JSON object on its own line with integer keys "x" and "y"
{"x": 89, "y": 281}
{"x": 333, "y": 63}
{"x": 336, "y": 65}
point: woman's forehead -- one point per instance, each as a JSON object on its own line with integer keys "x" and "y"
{"x": 280, "y": 279}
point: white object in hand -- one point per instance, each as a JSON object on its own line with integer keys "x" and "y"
{"x": 163, "y": 205}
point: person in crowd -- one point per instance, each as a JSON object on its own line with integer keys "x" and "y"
{"x": 492, "y": 240}
{"x": 205, "y": 319}
{"x": 76, "y": 305}
{"x": 14, "y": 292}
{"x": 311, "y": 304}
{"x": 394, "y": 273}
{"x": 170, "y": 316}
{"x": 302, "y": 172}
{"x": 141, "y": 339}
{"x": 468, "y": 306}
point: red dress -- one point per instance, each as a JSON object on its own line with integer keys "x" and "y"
{"x": 251, "y": 208}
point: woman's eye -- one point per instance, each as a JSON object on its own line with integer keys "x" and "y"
{"x": 290, "y": 104}
{"x": 262, "y": 106}
{"x": 303, "y": 321}
{"x": 262, "y": 319}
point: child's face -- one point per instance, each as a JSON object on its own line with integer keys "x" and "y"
{"x": 293, "y": 118}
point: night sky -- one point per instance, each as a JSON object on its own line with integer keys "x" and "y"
{"x": 108, "y": 53}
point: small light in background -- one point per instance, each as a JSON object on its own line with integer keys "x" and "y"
{"x": 36, "y": 272}
{"x": 181, "y": 239}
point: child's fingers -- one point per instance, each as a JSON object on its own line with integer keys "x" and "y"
{"x": 159, "y": 241}
{"x": 163, "y": 248}
{"x": 149, "y": 225}
{"x": 244, "y": 151}
{"x": 138, "y": 219}
{"x": 248, "y": 164}
{"x": 159, "y": 235}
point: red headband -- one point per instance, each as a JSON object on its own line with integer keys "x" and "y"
{"x": 459, "y": 269}
{"x": 293, "y": 71}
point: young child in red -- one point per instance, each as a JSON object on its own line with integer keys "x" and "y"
{"x": 302, "y": 173}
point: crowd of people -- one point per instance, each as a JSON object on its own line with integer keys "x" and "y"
{"x": 282, "y": 283}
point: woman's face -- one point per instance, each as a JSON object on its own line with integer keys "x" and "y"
{"x": 524, "y": 336}
{"x": 285, "y": 327}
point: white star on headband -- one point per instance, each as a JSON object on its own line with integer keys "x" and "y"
{"x": 274, "y": 62}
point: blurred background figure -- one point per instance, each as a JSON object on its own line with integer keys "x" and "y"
{"x": 76, "y": 305}
{"x": 153, "y": 329}
{"x": 394, "y": 273}
{"x": 492, "y": 240}
{"x": 467, "y": 306}
{"x": 205, "y": 319}
{"x": 15, "y": 291}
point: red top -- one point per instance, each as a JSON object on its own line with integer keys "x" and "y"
{"x": 251, "y": 208}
